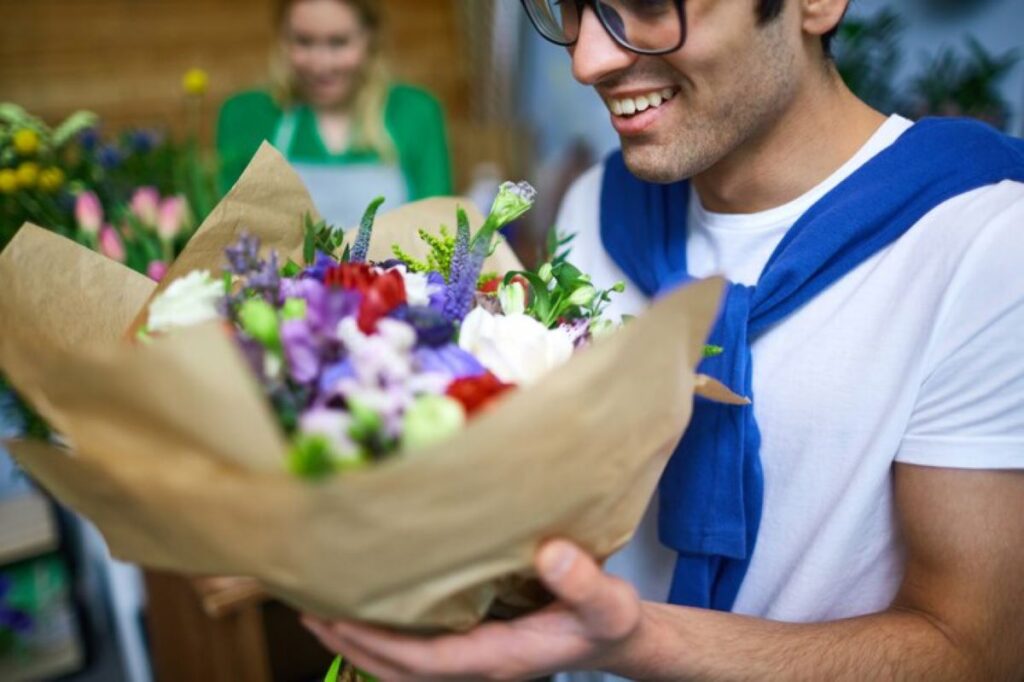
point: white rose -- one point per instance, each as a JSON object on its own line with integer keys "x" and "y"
{"x": 187, "y": 301}
{"x": 516, "y": 348}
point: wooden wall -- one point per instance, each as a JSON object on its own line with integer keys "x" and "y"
{"x": 124, "y": 59}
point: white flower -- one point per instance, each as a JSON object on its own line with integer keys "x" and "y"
{"x": 516, "y": 348}
{"x": 418, "y": 288}
{"x": 512, "y": 298}
{"x": 187, "y": 301}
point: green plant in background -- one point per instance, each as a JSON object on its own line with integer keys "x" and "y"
{"x": 950, "y": 83}
{"x": 867, "y": 54}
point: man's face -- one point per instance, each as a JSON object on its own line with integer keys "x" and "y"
{"x": 730, "y": 81}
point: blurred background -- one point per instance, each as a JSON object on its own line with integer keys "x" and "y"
{"x": 108, "y": 124}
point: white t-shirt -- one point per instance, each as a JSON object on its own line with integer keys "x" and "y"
{"x": 915, "y": 356}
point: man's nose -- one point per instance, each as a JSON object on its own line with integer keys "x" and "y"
{"x": 596, "y": 55}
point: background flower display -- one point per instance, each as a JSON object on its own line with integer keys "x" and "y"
{"x": 135, "y": 195}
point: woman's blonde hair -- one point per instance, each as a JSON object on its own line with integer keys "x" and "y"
{"x": 369, "y": 132}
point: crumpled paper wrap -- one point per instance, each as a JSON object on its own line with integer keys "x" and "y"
{"x": 174, "y": 455}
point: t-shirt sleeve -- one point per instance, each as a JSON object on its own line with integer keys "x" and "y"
{"x": 970, "y": 410}
{"x": 416, "y": 120}
{"x": 245, "y": 121}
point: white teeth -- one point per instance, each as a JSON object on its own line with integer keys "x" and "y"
{"x": 631, "y": 105}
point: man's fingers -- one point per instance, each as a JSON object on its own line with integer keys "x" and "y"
{"x": 352, "y": 652}
{"x": 608, "y": 607}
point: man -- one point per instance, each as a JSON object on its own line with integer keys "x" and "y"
{"x": 878, "y": 490}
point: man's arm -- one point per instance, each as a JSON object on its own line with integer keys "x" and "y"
{"x": 959, "y": 614}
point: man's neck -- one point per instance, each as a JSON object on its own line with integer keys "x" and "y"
{"x": 821, "y": 129}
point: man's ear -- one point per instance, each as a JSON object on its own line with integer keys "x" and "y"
{"x": 818, "y": 17}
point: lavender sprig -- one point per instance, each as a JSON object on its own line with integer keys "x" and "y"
{"x": 362, "y": 246}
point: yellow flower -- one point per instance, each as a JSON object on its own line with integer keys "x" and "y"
{"x": 28, "y": 174}
{"x": 26, "y": 142}
{"x": 8, "y": 181}
{"x": 195, "y": 82}
{"x": 51, "y": 179}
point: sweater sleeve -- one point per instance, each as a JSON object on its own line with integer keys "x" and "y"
{"x": 245, "y": 121}
{"x": 416, "y": 121}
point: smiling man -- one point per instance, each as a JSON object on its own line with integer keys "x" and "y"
{"x": 864, "y": 518}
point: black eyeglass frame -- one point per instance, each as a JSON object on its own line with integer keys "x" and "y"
{"x": 621, "y": 41}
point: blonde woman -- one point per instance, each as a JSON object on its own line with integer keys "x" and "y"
{"x": 349, "y": 131}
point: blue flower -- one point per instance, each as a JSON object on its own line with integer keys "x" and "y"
{"x": 110, "y": 157}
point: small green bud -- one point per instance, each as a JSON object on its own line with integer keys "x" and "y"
{"x": 513, "y": 200}
{"x": 512, "y": 298}
{"x": 365, "y": 422}
{"x": 583, "y": 296}
{"x": 545, "y": 273}
{"x": 310, "y": 457}
{"x": 430, "y": 420}
{"x": 600, "y": 329}
{"x": 294, "y": 309}
{"x": 259, "y": 320}
{"x": 619, "y": 287}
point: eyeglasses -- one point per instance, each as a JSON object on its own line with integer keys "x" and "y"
{"x": 650, "y": 27}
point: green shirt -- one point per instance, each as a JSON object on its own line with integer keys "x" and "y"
{"x": 413, "y": 118}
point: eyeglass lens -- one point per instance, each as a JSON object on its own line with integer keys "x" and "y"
{"x": 641, "y": 25}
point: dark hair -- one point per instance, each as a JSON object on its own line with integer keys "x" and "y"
{"x": 769, "y": 9}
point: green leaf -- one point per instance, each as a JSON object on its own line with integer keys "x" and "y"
{"x": 332, "y": 672}
{"x": 291, "y": 269}
{"x": 72, "y": 125}
{"x": 712, "y": 351}
{"x": 309, "y": 241}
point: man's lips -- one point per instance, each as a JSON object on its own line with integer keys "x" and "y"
{"x": 634, "y": 112}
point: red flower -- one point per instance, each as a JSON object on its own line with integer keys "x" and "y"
{"x": 385, "y": 293}
{"x": 491, "y": 285}
{"x": 355, "y": 276}
{"x": 476, "y": 392}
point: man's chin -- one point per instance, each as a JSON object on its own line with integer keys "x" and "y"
{"x": 651, "y": 163}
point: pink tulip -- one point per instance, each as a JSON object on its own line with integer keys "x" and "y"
{"x": 111, "y": 245}
{"x": 145, "y": 203}
{"x": 88, "y": 213}
{"x": 172, "y": 218}
{"x": 156, "y": 270}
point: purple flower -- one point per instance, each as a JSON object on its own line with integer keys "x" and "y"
{"x": 244, "y": 256}
{"x": 321, "y": 263}
{"x": 267, "y": 279}
{"x": 432, "y": 327}
{"x": 362, "y": 245}
{"x": 448, "y": 359}
{"x": 301, "y": 351}
{"x": 438, "y": 292}
{"x": 334, "y": 374}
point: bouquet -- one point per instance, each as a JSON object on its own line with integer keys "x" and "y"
{"x": 176, "y": 446}
{"x": 361, "y": 360}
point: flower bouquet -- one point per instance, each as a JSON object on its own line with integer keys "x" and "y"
{"x": 179, "y": 444}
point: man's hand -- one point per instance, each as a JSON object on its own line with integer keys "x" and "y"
{"x": 596, "y": 619}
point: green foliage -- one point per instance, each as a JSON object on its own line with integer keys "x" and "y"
{"x": 439, "y": 257}
{"x": 952, "y": 82}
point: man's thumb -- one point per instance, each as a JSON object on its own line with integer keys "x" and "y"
{"x": 608, "y": 607}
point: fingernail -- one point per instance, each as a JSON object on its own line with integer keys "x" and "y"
{"x": 556, "y": 560}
